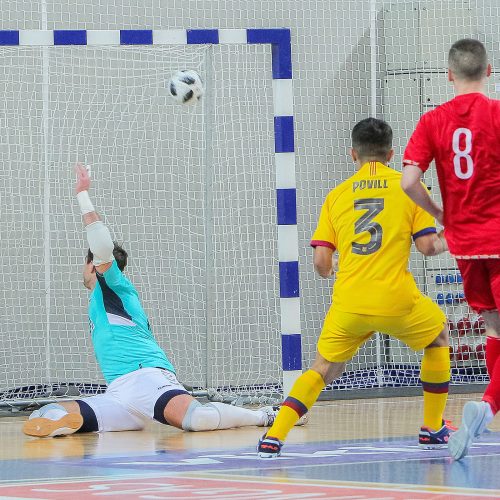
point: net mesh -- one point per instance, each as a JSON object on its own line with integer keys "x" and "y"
{"x": 190, "y": 191}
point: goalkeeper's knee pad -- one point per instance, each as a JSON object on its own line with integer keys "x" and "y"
{"x": 201, "y": 417}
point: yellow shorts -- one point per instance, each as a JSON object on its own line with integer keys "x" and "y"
{"x": 344, "y": 333}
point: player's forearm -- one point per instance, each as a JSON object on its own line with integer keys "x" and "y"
{"x": 325, "y": 263}
{"x": 420, "y": 196}
{"x": 417, "y": 192}
{"x": 440, "y": 245}
{"x": 90, "y": 218}
{"x": 431, "y": 244}
{"x": 324, "y": 271}
{"x": 98, "y": 235}
{"x": 89, "y": 215}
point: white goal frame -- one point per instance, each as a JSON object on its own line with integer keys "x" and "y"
{"x": 284, "y": 147}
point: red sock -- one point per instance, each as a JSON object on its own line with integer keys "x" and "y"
{"x": 492, "y": 353}
{"x": 492, "y": 393}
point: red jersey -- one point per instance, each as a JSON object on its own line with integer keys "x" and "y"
{"x": 463, "y": 137}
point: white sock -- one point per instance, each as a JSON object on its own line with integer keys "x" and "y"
{"x": 52, "y": 411}
{"x": 234, "y": 416}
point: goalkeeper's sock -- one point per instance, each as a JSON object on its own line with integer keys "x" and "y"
{"x": 435, "y": 378}
{"x": 235, "y": 416}
{"x": 303, "y": 395}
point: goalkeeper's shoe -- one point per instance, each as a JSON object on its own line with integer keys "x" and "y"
{"x": 271, "y": 412}
{"x": 269, "y": 447}
{"x": 475, "y": 418}
{"x": 52, "y": 420}
{"x": 433, "y": 440}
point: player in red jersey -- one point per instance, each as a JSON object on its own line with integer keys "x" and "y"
{"x": 462, "y": 136}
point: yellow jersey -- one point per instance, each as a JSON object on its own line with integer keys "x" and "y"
{"x": 371, "y": 221}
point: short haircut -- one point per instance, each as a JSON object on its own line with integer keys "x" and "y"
{"x": 468, "y": 60}
{"x": 120, "y": 255}
{"x": 372, "y": 138}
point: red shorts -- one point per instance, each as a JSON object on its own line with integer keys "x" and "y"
{"x": 481, "y": 278}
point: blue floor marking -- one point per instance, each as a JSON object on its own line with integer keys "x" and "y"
{"x": 388, "y": 461}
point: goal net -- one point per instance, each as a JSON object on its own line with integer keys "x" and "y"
{"x": 188, "y": 190}
{"x": 191, "y": 191}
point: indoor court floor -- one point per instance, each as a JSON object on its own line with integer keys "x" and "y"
{"x": 353, "y": 450}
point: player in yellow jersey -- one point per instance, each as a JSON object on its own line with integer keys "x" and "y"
{"x": 371, "y": 222}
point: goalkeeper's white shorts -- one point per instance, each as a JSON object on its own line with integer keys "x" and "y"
{"x": 130, "y": 400}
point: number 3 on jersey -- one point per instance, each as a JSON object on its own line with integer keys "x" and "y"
{"x": 366, "y": 224}
{"x": 462, "y": 154}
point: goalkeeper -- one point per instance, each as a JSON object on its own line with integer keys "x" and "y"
{"x": 142, "y": 384}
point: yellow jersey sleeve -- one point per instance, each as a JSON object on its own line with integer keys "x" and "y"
{"x": 324, "y": 236}
{"x": 423, "y": 223}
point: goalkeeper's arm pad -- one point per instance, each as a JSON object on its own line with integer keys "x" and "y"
{"x": 100, "y": 243}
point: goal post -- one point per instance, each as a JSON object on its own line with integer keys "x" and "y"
{"x": 78, "y": 77}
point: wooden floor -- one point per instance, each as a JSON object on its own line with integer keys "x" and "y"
{"x": 324, "y": 453}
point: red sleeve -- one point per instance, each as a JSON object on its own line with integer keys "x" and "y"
{"x": 419, "y": 151}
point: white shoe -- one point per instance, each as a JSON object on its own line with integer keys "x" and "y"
{"x": 52, "y": 420}
{"x": 271, "y": 412}
{"x": 475, "y": 418}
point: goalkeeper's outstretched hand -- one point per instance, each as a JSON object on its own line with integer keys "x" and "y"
{"x": 82, "y": 177}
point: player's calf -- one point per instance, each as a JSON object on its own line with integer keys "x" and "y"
{"x": 52, "y": 420}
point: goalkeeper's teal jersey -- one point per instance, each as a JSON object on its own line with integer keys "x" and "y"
{"x": 122, "y": 338}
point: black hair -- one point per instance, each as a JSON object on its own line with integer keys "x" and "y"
{"x": 372, "y": 139}
{"x": 120, "y": 255}
{"x": 468, "y": 60}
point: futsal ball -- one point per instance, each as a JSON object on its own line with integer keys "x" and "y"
{"x": 185, "y": 86}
